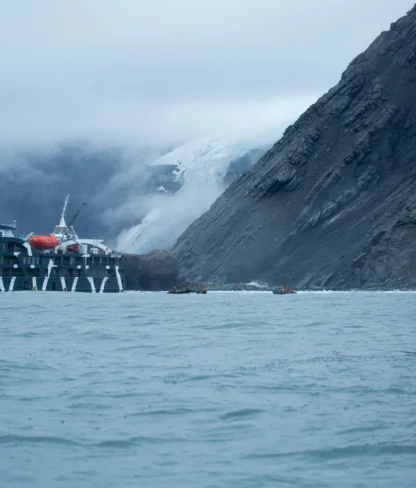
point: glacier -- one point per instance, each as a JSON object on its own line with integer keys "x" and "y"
{"x": 201, "y": 166}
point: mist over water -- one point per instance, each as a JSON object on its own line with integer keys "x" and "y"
{"x": 224, "y": 389}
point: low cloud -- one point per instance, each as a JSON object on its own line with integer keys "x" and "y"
{"x": 145, "y": 73}
{"x": 154, "y": 126}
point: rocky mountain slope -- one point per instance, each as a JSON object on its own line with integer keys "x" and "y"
{"x": 333, "y": 203}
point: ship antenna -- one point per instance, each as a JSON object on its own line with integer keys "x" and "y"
{"x": 62, "y": 222}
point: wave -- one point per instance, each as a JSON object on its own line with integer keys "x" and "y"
{"x": 342, "y": 452}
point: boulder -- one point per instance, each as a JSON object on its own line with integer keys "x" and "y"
{"x": 155, "y": 271}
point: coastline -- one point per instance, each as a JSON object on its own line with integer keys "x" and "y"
{"x": 263, "y": 287}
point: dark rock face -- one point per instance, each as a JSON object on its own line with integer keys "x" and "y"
{"x": 242, "y": 165}
{"x": 333, "y": 203}
{"x": 163, "y": 176}
{"x": 155, "y": 271}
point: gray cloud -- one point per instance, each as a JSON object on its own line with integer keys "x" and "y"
{"x": 133, "y": 71}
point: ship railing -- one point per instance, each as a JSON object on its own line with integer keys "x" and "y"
{"x": 9, "y": 226}
{"x": 69, "y": 238}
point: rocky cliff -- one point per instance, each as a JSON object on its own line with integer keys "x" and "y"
{"x": 155, "y": 271}
{"x": 333, "y": 203}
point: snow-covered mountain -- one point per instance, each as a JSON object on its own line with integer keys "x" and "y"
{"x": 203, "y": 169}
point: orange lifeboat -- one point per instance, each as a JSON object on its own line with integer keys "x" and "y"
{"x": 44, "y": 242}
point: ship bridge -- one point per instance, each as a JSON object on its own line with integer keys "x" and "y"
{"x": 6, "y": 230}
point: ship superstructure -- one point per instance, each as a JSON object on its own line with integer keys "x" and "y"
{"x": 68, "y": 238}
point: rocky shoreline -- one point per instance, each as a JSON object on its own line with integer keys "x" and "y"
{"x": 159, "y": 270}
{"x": 268, "y": 288}
{"x": 155, "y": 271}
{"x": 210, "y": 286}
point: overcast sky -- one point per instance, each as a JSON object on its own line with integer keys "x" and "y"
{"x": 156, "y": 70}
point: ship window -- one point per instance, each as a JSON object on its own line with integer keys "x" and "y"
{"x": 33, "y": 272}
{"x": 98, "y": 273}
{"x": 66, "y": 261}
{"x": 55, "y": 272}
{"x": 10, "y": 260}
{"x": 17, "y": 272}
{"x": 13, "y": 247}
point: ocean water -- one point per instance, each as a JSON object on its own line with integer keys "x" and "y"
{"x": 222, "y": 390}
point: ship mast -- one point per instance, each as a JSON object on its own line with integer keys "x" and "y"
{"x": 62, "y": 222}
{"x": 69, "y": 226}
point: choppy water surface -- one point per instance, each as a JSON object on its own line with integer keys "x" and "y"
{"x": 223, "y": 390}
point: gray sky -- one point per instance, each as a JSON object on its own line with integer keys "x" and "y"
{"x": 132, "y": 71}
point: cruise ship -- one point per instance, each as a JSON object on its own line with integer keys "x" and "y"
{"x": 60, "y": 261}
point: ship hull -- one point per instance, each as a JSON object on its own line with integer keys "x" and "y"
{"x": 83, "y": 285}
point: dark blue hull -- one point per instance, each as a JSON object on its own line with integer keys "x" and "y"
{"x": 86, "y": 285}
